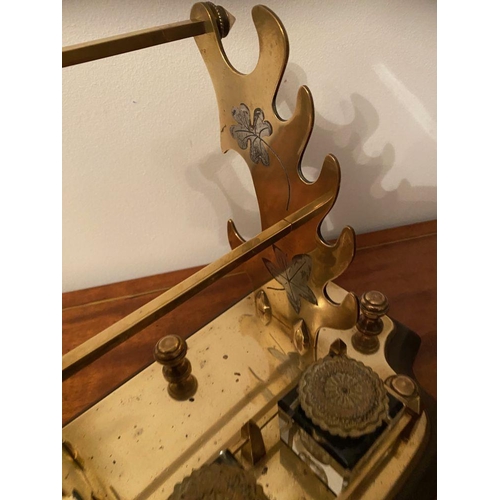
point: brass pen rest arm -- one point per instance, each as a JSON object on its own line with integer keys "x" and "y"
{"x": 92, "y": 349}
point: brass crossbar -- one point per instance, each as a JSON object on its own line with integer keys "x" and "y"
{"x": 128, "y": 42}
{"x": 122, "y": 330}
{"x": 120, "y": 44}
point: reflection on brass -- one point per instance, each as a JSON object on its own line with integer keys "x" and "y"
{"x": 72, "y": 453}
{"x": 301, "y": 337}
{"x": 254, "y": 449}
{"x": 122, "y": 330}
{"x": 273, "y": 149}
{"x": 171, "y": 352}
{"x": 343, "y": 396}
{"x": 337, "y": 348}
{"x": 263, "y": 307}
{"x": 79, "y": 480}
{"x": 217, "y": 482}
{"x": 374, "y": 305}
{"x": 121, "y": 44}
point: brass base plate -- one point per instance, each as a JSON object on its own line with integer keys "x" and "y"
{"x": 140, "y": 443}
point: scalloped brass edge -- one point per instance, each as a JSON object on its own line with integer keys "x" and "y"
{"x": 354, "y": 431}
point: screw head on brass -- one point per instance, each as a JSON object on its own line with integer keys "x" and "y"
{"x": 170, "y": 351}
{"x": 301, "y": 337}
{"x": 373, "y": 305}
{"x": 263, "y": 307}
{"x": 403, "y": 385}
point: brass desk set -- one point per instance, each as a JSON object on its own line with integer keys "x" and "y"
{"x": 300, "y": 390}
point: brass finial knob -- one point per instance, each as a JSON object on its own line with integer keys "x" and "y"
{"x": 224, "y": 19}
{"x": 374, "y": 305}
{"x": 171, "y": 352}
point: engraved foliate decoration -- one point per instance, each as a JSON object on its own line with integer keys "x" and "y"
{"x": 292, "y": 276}
{"x": 219, "y": 482}
{"x": 247, "y": 132}
{"x": 343, "y": 396}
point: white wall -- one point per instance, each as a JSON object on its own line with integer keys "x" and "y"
{"x": 145, "y": 187}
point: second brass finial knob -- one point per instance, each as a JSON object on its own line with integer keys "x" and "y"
{"x": 373, "y": 305}
{"x": 170, "y": 351}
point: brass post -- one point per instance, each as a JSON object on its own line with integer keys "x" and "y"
{"x": 373, "y": 306}
{"x": 170, "y": 351}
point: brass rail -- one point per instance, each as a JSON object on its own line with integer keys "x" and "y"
{"x": 120, "y": 44}
{"x": 122, "y": 330}
{"x": 128, "y": 42}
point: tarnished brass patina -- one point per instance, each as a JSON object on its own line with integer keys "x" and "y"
{"x": 219, "y": 481}
{"x": 302, "y": 263}
{"x": 374, "y": 305}
{"x": 170, "y": 351}
{"x": 343, "y": 396}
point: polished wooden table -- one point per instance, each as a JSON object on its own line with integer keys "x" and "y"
{"x": 400, "y": 262}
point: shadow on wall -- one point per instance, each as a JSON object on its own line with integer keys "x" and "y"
{"x": 362, "y": 203}
{"x": 215, "y": 175}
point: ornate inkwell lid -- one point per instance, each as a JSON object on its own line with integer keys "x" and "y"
{"x": 343, "y": 397}
{"x": 219, "y": 482}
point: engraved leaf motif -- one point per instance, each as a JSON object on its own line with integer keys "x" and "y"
{"x": 245, "y": 132}
{"x": 262, "y": 128}
{"x": 293, "y": 276}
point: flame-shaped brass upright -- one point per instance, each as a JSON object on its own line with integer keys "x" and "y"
{"x": 273, "y": 149}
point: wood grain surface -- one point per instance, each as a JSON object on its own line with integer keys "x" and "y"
{"x": 400, "y": 262}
